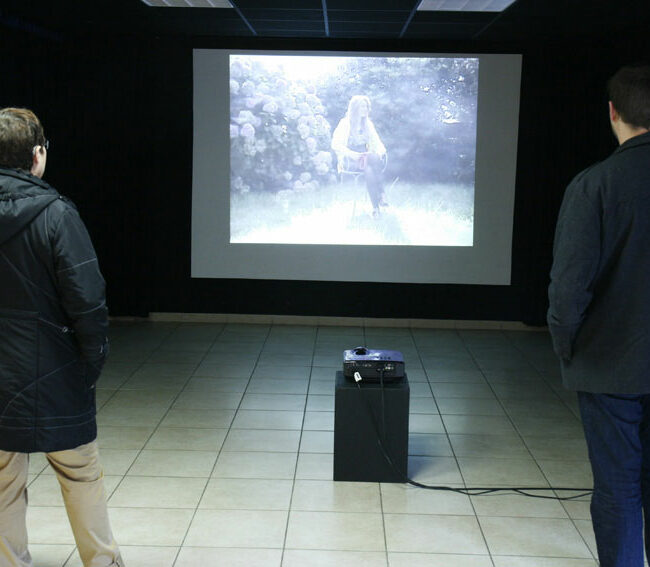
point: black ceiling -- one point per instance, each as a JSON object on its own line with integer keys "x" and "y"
{"x": 525, "y": 20}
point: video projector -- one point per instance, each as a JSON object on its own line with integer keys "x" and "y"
{"x": 373, "y": 365}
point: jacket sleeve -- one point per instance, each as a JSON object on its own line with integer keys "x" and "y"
{"x": 576, "y": 256}
{"x": 81, "y": 288}
{"x": 340, "y": 139}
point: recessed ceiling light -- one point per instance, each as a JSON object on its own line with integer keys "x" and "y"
{"x": 464, "y": 5}
{"x": 188, "y": 3}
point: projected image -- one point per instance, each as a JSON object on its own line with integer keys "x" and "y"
{"x": 352, "y": 150}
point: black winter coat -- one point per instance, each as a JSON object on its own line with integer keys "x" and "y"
{"x": 53, "y": 319}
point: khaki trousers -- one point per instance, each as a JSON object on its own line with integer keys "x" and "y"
{"x": 82, "y": 486}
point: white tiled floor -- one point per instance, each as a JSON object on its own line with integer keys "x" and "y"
{"x": 217, "y": 445}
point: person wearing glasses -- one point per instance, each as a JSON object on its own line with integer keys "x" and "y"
{"x": 53, "y": 325}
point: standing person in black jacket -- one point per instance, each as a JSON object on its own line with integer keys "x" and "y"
{"x": 599, "y": 318}
{"x": 53, "y": 323}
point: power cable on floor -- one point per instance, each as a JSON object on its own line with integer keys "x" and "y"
{"x": 468, "y": 491}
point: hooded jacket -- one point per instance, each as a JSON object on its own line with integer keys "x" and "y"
{"x": 53, "y": 319}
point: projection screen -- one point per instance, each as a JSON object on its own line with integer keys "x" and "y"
{"x": 376, "y": 167}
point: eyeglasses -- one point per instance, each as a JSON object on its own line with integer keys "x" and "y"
{"x": 45, "y": 144}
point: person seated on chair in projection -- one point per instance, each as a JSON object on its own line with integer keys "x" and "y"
{"x": 360, "y": 150}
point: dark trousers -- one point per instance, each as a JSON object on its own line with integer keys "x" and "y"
{"x": 374, "y": 182}
{"x": 617, "y": 429}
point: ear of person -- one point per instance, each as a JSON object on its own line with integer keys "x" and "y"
{"x": 39, "y": 157}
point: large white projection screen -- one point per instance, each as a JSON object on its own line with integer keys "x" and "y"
{"x": 354, "y": 166}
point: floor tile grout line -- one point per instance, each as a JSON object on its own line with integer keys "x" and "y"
{"x": 298, "y": 452}
{"x": 571, "y": 519}
{"x": 166, "y": 412}
{"x": 70, "y": 557}
{"x": 444, "y": 426}
{"x": 381, "y": 500}
{"x": 198, "y": 504}
{"x": 165, "y": 415}
{"x": 543, "y": 377}
{"x": 506, "y": 413}
{"x": 144, "y": 361}
{"x": 460, "y": 470}
{"x": 510, "y": 419}
{"x": 383, "y": 521}
{"x": 144, "y": 444}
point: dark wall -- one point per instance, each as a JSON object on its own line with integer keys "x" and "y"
{"x": 118, "y": 112}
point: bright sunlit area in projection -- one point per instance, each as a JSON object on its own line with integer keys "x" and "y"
{"x": 352, "y": 150}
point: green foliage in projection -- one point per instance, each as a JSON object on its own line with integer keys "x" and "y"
{"x": 279, "y": 135}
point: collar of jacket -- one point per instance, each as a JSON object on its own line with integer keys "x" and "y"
{"x": 640, "y": 140}
{"x": 26, "y": 177}
{"x": 22, "y": 198}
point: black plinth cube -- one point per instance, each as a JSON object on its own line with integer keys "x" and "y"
{"x": 357, "y": 454}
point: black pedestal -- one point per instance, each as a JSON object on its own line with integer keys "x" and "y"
{"x": 357, "y": 453}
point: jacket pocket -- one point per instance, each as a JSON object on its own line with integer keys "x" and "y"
{"x": 57, "y": 348}
{"x": 61, "y": 335}
{"x": 62, "y": 346}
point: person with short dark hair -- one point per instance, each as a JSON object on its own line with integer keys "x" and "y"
{"x": 53, "y": 325}
{"x": 599, "y": 319}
